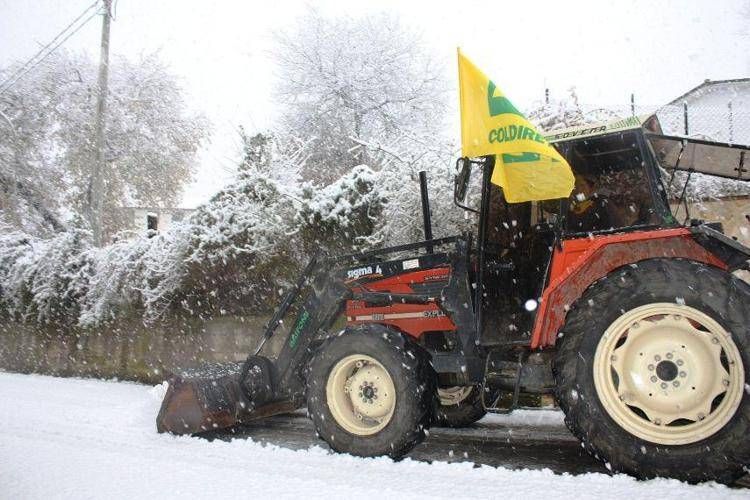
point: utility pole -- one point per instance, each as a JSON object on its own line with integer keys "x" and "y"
{"x": 95, "y": 192}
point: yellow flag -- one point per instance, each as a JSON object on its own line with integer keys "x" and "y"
{"x": 527, "y": 167}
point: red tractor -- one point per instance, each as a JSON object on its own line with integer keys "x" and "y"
{"x": 633, "y": 321}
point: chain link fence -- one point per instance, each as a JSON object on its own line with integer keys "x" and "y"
{"x": 716, "y": 121}
{"x": 727, "y": 122}
{"x": 716, "y": 111}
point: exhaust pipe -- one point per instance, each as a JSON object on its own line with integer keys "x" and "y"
{"x": 426, "y": 217}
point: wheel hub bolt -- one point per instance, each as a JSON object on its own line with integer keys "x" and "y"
{"x": 676, "y": 383}
{"x": 680, "y": 362}
{"x": 653, "y": 378}
{"x": 663, "y": 385}
{"x": 726, "y": 383}
{"x": 657, "y": 358}
{"x": 669, "y": 355}
{"x": 715, "y": 340}
{"x": 657, "y": 421}
{"x": 651, "y": 367}
{"x": 683, "y": 374}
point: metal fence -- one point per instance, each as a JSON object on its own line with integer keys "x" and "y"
{"x": 721, "y": 115}
{"x": 716, "y": 121}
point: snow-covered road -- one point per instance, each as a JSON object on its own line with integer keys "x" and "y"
{"x": 72, "y": 438}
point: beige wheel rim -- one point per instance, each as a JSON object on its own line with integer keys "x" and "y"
{"x": 668, "y": 374}
{"x": 361, "y": 395}
{"x": 451, "y": 396}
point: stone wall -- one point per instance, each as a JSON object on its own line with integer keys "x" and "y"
{"x": 130, "y": 350}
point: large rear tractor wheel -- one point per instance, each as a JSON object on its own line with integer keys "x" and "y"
{"x": 652, "y": 371}
{"x": 370, "y": 392}
{"x": 459, "y": 406}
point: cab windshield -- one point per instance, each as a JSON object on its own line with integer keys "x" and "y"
{"x": 612, "y": 187}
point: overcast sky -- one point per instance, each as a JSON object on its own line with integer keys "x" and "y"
{"x": 656, "y": 50}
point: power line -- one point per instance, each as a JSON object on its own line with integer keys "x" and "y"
{"x": 25, "y": 65}
{"x": 50, "y": 42}
{"x": 21, "y": 72}
{"x": 35, "y": 60}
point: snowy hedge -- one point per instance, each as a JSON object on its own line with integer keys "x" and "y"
{"x": 234, "y": 255}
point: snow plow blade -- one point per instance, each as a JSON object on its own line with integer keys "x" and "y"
{"x": 197, "y": 405}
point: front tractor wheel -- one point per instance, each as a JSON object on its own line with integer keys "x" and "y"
{"x": 370, "y": 393}
{"x": 652, "y": 369}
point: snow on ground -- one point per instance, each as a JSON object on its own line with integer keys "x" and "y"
{"x": 73, "y": 438}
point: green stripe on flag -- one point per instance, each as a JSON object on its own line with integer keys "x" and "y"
{"x": 499, "y": 104}
{"x": 523, "y": 157}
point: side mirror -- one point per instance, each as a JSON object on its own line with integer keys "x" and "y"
{"x": 463, "y": 168}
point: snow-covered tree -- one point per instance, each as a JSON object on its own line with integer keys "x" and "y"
{"x": 567, "y": 112}
{"x": 342, "y": 216}
{"x": 46, "y": 140}
{"x": 365, "y": 91}
{"x": 357, "y": 88}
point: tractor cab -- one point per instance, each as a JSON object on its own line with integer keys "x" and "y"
{"x": 618, "y": 190}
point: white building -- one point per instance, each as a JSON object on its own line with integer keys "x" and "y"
{"x": 716, "y": 110}
{"x": 155, "y": 218}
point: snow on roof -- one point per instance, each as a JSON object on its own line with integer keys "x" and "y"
{"x": 708, "y": 86}
{"x": 700, "y": 187}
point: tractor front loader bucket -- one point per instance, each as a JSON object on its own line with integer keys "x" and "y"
{"x": 214, "y": 398}
{"x": 199, "y": 404}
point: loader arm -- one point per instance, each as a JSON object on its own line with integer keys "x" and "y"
{"x": 324, "y": 302}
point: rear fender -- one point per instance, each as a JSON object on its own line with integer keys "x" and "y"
{"x": 577, "y": 263}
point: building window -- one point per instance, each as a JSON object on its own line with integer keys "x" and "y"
{"x": 152, "y": 222}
